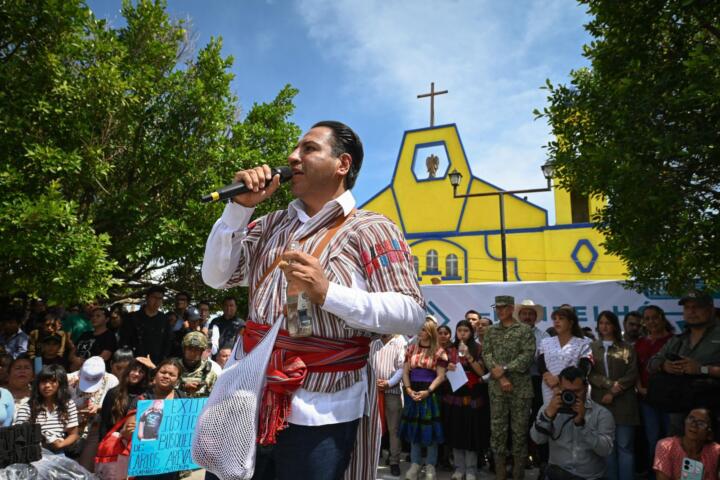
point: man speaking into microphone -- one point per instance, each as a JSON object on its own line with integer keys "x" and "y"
{"x": 331, "y": 274}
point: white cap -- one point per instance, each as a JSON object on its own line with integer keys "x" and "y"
{"x": 91, "y": 374}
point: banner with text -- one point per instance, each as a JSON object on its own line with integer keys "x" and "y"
{"x": 448, "y": 303}
{"x": 163, "y": 436}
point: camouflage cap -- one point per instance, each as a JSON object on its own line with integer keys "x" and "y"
{"x": 195, "y": 339}
{"x": 504, "y": 300}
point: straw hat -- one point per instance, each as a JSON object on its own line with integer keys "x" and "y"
{"x": 529, "y": 304}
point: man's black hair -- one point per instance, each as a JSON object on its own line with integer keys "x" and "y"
{"x": 573, "y": 373}
{"x": 183, "y": 294}
{"x": 155, "y": 289}
{"x": 229, "y": 297}
{"x": 634, "y": 313}
{"x": 473, "y": 311}
{"x": 345, "y": 140}
{"x": 203, "y": 302}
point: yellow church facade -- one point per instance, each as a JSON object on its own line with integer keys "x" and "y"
{"x": 458, "y": 240}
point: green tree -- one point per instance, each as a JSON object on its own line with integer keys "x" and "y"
{"x": 640, "y": 128}
{"x": 109, "y": 138}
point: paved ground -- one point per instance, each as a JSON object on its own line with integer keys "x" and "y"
{"x": 384, "y": 474}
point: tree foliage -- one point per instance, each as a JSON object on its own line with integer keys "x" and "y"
{"x": 109, "y": 136}
{"x": 641, "y": 129}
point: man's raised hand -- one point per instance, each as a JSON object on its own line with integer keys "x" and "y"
{"x": 261, "y": 183}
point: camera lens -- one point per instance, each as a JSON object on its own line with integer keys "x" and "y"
{"x": 568, "y": 397}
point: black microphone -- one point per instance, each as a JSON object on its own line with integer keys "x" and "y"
{"x": 229, "y": 191}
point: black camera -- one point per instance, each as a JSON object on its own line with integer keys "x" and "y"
{"x": 568, "y": 398}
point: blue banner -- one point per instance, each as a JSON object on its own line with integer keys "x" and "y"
{"x": 162, "y": 441}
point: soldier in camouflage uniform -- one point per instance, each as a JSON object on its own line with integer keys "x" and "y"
{"x": 508, "y": 352}
{"x": 198, "y": 378}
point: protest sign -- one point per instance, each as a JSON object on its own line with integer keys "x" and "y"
{"x": 163, "y": 436}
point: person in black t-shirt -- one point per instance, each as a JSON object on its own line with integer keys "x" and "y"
{"x": 101, "y": 342}
{"x": 147, "y": 331}
{"x": 150, "y": 421}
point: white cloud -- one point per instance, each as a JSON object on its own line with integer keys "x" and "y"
{"x": 491, "y": 56}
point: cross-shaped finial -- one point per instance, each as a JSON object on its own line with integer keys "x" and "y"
{"x": 432, "y": 95}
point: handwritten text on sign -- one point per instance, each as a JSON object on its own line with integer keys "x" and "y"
{"x": 163, "y": 436}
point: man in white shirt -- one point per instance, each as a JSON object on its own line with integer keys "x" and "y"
{"x": 387, "y": 355}
{"x": 358, "y": 279}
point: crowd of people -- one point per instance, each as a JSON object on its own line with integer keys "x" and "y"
{"x": 621, "y": 400}
{"x": 615, "y": 402}
{"x": 79, "y": 374}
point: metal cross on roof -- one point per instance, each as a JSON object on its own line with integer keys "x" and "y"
{"x": 432, "y": 95}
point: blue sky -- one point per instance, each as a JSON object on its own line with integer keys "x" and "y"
{"x": 364, "y": 62}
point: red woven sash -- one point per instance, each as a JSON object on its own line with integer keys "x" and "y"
{"x": 291, "y": 360}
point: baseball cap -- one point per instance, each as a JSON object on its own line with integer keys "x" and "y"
{"x": 192, "y": 314}
{"x": 704, "y": 299}
{"x": 91, "y": 374}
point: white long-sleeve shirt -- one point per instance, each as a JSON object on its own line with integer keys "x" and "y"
{"x": 380, "y": 312}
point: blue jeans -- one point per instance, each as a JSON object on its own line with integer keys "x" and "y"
{"x": 657, "y": 426}
{"x": 312, "y": 453}
{"x": 416, "y": 453}
{"x": 621, "y": 462}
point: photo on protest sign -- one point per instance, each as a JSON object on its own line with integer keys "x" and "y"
{"x": 162, "y": 441}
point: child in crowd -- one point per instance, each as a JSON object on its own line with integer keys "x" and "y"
{"x": 51, "y": 407}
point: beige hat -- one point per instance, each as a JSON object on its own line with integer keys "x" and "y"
{"x": 529, "y": 304}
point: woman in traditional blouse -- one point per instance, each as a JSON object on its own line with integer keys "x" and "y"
{"x": 461, "y": 408}
{"x": 569, "y": 348}
{"x": 696, "y": 446}
{"x": 613, "y": 377}
{"x": 423, "y": 373}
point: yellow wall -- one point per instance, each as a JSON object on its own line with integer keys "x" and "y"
{"x": 469, "y": 228}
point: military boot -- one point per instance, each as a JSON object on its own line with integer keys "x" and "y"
{"x": 500, "y": 468}
{"x": 519, "y": 467}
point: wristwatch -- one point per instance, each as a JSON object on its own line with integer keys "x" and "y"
{"x": 705, "y": 370}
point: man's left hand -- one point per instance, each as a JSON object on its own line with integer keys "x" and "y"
{"x": 306, "y": 271}
{"x": 689, "y": 366}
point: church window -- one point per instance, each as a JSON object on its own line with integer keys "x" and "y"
{"x": 451, "y": 265}
{"x": 579, "y": 208}
{"x": 432, "y": 261}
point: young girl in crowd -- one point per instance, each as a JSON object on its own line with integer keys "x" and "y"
{"x": 134, "y": 381}
{"x": 120, "y": 361}
{"x": 423, "y": 373}
{"x": 613, "y": 377}
{"x": 444, "y": 336}
{"x": 569, "y": 348}
{"x": 51, "y": 407}
{"x": 461, "y": 409}
{"x": 20, "y": 377}
{"x": 655, "y": 421}
{"x": 117, "y": 404}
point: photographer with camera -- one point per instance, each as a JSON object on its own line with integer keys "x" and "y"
{"x": 580, "y": 432}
